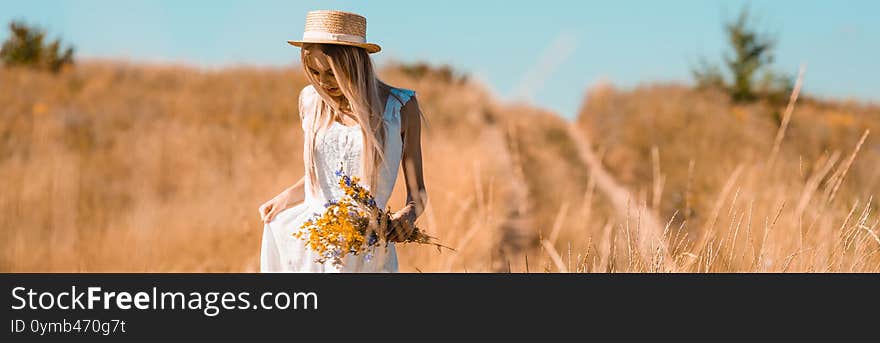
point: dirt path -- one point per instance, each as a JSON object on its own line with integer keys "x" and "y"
{"x": 650, "y": 230}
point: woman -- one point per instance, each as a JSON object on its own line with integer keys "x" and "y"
{"x": 350, "y": 120}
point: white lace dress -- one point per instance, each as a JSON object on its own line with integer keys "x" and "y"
{"x": 281, "y": 252}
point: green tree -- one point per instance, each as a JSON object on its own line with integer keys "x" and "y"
{"x": 28, "y": 46}
{"x": 748, "y": 64}
{"x": 751, "y": 52}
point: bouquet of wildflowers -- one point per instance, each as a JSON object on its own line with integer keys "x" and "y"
{"x": 353, "y": 225}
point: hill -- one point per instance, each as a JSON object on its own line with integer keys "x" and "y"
{"x": 123, "y": 167}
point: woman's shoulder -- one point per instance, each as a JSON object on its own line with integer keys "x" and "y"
{"x": 408, "y": 110}
{"x": 402, "y": 95}
{"x": 306, "y": 102}
{"x": 307, "y": 97}
{"x": 307, "y": 92}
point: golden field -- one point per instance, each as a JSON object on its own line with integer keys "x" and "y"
{"x": 115, "y": 167}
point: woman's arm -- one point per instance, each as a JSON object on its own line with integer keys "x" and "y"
{"x": 297, "y": 192}
{"x": 416, "y": 195}
{"x": 289, "y": 197}
{"x": 294, "y": 194}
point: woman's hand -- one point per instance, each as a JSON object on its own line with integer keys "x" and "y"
{"x": 279, "y": 203}
{"x": 284, "y": 200}
{"x": 402, "y": 225}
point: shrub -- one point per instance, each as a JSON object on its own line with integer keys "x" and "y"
{"x": 28, "y": 46}
{"x": 443, "y": 73}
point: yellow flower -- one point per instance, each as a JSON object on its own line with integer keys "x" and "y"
{"x": 344, "y": 225}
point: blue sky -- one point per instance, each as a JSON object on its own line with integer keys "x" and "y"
{"x": 545, "y": 52}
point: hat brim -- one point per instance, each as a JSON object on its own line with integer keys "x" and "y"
{"x": 370, "y": 47}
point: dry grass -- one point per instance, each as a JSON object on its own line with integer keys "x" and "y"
{"x": 751, "y": 195}
{"x": 115, "y": 167}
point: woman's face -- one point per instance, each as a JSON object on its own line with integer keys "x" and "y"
{"x": 318, "y": 64}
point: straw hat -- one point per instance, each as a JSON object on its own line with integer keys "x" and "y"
{"x": 336, "y": 27}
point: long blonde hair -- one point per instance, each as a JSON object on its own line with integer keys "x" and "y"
{"x": 354, "y": 73}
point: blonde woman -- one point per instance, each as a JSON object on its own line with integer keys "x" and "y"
{"x": 351, "y": 120}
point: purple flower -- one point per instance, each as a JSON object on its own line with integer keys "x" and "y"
{"x": 339, "y": 172}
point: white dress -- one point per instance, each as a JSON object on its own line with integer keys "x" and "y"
{"x": 281, "y": 252}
